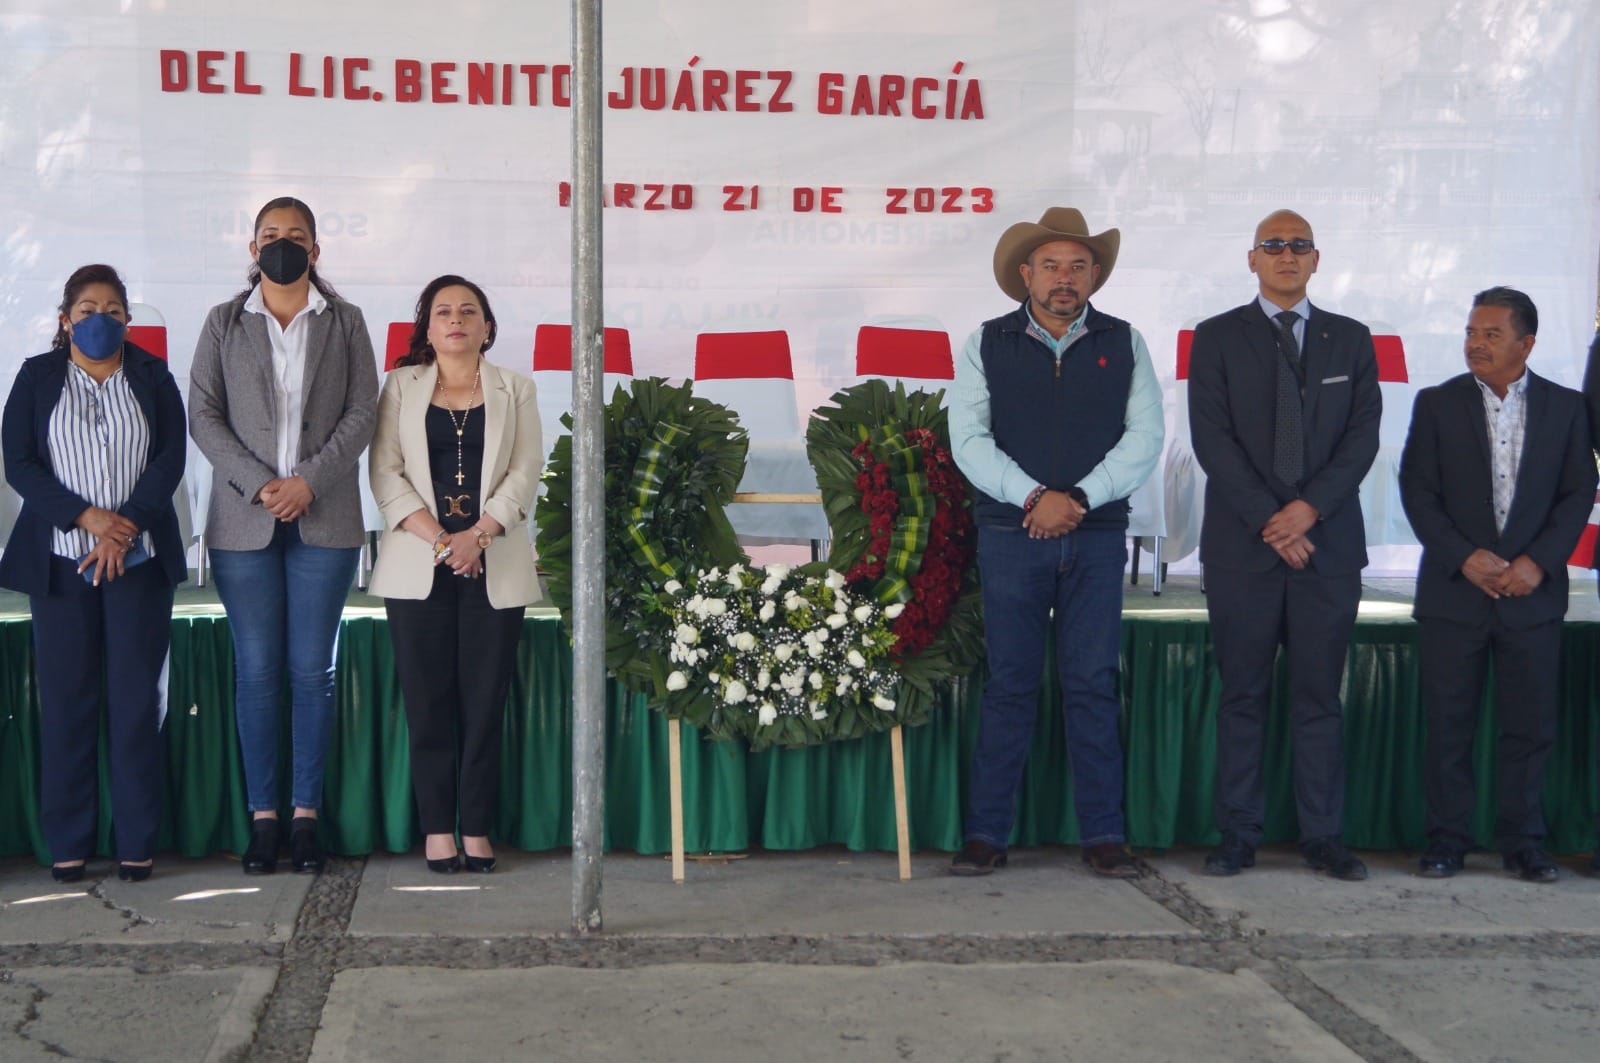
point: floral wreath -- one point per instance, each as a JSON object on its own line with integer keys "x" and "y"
{"x": 780, "y": 655}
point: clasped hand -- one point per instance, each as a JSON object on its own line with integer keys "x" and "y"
{"x": 1054, "y": 515}
{"x": 463, "y": 557}
{"x": 287, "y": 497}
{"x": 114, "y": 536}
{"x": 1286, "y": 531}
{"x": 1499, "y": 578}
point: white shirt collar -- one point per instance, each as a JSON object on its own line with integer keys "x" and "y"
{"x": 257, "y": 305}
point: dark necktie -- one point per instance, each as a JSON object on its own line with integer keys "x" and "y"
{"x": 1288, "y": 434}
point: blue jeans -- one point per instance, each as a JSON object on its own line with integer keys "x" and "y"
{"x": 1079, "y": 577}
{"x": 284, "y": 602}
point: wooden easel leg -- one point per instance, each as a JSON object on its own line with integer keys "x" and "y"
{"x": 675, "y": 784}
{"x": 897, "y": 753}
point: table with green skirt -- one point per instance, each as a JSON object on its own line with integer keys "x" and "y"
{"x": 735, "y": 799}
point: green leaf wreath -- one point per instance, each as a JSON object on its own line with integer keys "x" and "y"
{"x": 828, "y": 651}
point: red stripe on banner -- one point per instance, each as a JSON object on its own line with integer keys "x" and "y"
{"x": 397, "y": 344}
{"x": 910, "y": 352}
{"x": 552, "y": 349}
{"x": 1391, "y": 359}
{"x": 1185, "y": 343}
{"x": 152, "y": 338}
{"x": 739, "y": 355}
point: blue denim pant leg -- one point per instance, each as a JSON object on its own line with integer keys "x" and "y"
{"x": 284, "y": 603}
{"x": 1079, "y": 577}
{"x": 1088, "y": 616}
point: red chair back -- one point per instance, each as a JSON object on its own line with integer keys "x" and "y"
{"x": 742, "y": 355}
{"x": 908, "y": 352}
{"x": 552, "y": 349}
{"x": 1391, "y": 359}
{"x": 396, "y": 344}
{"x": 152, "y": 338}
{"x": 1185, "y": 344}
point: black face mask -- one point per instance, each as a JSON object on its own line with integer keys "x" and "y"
{"x": 283, "y": 261}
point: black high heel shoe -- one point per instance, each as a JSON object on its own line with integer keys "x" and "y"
{"x": 261, "y": 855}
{"x": 134, "y": 872}
{"x": 67, "y": 872}
{"x": 448, "y": 866}
{"x": 481, "y": 864}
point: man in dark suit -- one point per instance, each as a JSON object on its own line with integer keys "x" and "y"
{"x": 1284, "y": 408}
{"x": 1591, "y": 393}
{"x": 1497, "y": 478}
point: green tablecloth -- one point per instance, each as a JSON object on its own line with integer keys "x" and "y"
{"x": 796, "y": 799}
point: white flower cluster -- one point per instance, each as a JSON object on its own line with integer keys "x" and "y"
{"x": 776, "y": 643}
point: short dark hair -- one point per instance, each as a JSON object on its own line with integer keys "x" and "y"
{"x": 81, "y": 278}
{"x": 421, "y": 351}
{"x": 1524, "y": 315}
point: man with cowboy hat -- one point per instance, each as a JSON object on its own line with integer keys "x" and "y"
{"x": 1283, "y": 408}
{"x": 1056, "y": 419}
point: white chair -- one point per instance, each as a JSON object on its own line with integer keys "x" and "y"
{"x": 1381, "y": 507}
{"x": 147, "y": 329}
{"x": 914, "y": 351}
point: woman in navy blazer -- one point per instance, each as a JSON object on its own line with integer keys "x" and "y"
{"x": 94, "y": 441}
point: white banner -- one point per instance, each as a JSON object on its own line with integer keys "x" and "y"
{"x": 811, "y": 166}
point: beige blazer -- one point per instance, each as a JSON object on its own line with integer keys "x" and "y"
{"x": 513, "y": 452}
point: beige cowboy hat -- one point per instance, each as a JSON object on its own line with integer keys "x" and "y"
{"x": 1057, "y": 223}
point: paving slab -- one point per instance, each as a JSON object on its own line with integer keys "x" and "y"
{"x": 1091, "y": 1011}
{"x": 208, "y": 900}
{"x": 1044, "y": 891}
{"x": 47, "y": 1013}
{"x": 1496, "y": 1009}
{"x": 1281, "y": 895}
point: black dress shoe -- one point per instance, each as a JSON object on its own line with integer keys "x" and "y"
{"x": 481, "y": 864}
{"x": 67, "y": 873}
{"x": 1112, "y": 860}
{"x": 448, "y": 866}
{"x": 1440, "y": 861}
{"x": 261, "y": 857}
{"x": 1330, "y": 855}
{"x": 1230, "y": 857}
{"x": 1532, "y": 864}
{"x": 977, "y": 858}
{"x": 304, "y": 851}
{"x": 134, "y": 872}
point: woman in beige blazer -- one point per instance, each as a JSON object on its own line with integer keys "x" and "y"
{"x": 454, "y": 466}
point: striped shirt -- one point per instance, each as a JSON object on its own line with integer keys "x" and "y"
{"x": 99, "y": 440}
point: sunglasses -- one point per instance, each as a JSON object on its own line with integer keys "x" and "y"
{"x": 1275, "y": 247}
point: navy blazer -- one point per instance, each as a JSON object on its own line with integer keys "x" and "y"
{"x": 1233, "y": 389}
{"x": 24, "y": 437}
{"x": 1446, "y": 488}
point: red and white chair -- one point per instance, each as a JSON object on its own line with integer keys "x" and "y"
{"x": 147, "y": 330}
{"x": 752, "y": 373}
{"x": 1381, "y": 506}
{"x": 912, "y": 351}
{"x": 552, "y": 373}
{"x": 1183, "y": 482}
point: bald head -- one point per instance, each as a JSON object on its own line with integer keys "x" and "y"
{"x": 1277, "y": 217}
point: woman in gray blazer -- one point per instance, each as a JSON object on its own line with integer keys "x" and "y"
{"x": 454, "y": 465}
{"x": 282, "y": 398}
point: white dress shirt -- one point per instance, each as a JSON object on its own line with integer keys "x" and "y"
{"x": 1506, "y": 421}
{"x": 288, "y": 373}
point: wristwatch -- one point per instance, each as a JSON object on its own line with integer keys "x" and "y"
{"x": 484, "y": 538}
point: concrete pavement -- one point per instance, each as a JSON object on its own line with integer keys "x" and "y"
{"x": 804, "y": 956}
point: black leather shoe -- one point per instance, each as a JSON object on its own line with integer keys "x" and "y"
{"x": 448, "y": 866}
{"x": 1230, "y": 857}
{"x": 304, "y": 851}
{"x": 67, "y": 872}
{"x": 1330, "y": 855}
{"x": 134, "y": 872}
{"x": 1532, "y": 864}
{"x": 481, "y": 864}
{"x": 977, "y": 858}
{"x": 261, "y": 856}
{"x": 1440, "y": 861}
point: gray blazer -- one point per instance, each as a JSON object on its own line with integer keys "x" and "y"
{"x": 232, "y": 416}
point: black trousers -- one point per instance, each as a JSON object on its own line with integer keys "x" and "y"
{"x": 454, "y": 653}
{"x": 88, "y": 640}
{"x": 1526, "y": 663}
{"x": 1312, "y": 616}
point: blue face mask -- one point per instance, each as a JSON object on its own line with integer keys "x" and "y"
{"x": 98, "y": 336}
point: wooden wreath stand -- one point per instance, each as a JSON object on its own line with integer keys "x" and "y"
{"x": 897, "y": 749}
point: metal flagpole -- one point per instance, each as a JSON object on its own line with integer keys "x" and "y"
{"x": 588, "y": 473}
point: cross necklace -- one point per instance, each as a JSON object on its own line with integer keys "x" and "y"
{"x": 461, "y": 425}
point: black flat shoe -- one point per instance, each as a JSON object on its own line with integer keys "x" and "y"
{"x": 1233, "y": 855}
{"x": 134, "y": 872}
{"x": 1532, "y": 864}
{"x": 448, "y": 866}
{"x": 261, "y": 857}
{"x": 304, "y": 851}
{"x": 67, "y": 873}
{"x": 481, "y": 864}
{"x": 1440, "y": 862}
{"x": 1330, "y": 855}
